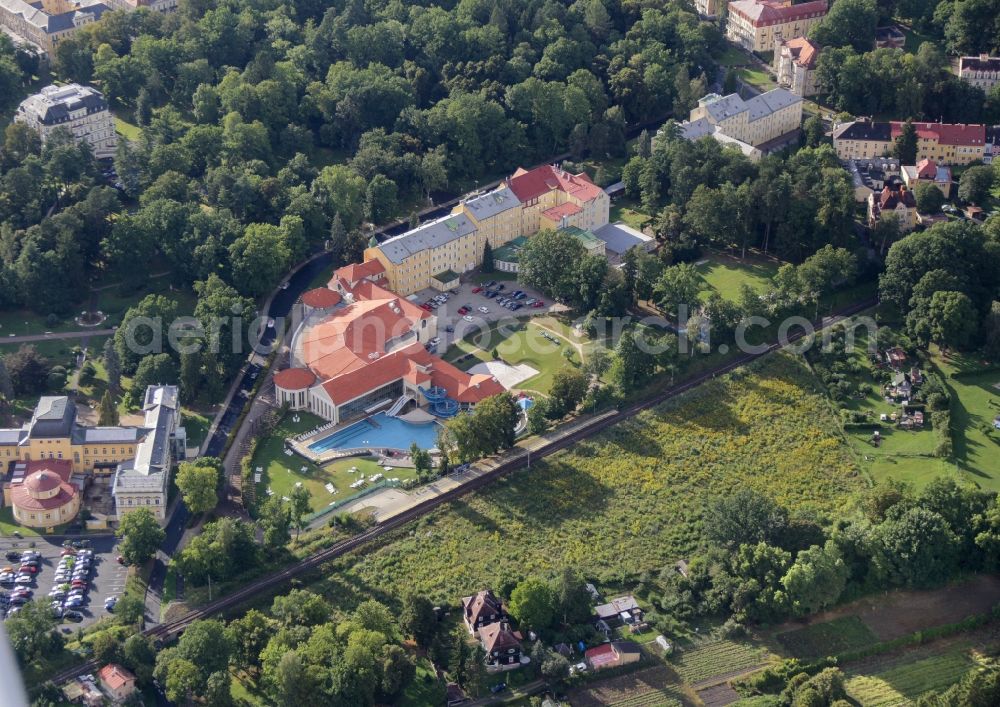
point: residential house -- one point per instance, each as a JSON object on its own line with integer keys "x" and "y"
{"x": 899, "y": 201}
{"x": 871, "y": 175}
{"x": 613, "y": 655}
{"x": 620, "y": 610}
{"x": 895, "y": 357}
{"x": 900, "y": 388}
{"x": 889, "y": 37}
{"x": 981, "y": 71}
{"x": 81, "y": 110}
{"x": 944, "y": 143}
{"x": 755, "y": 123}
{"x": 757, "y": 24}
{"x": 481, "y": 609}
{"x": 930, "y": 172}
{"x": 502, "y": 646}
{"x": 795, "y": 65}
{"x": 117, "y": 682}
{"x": 992, "y": 150}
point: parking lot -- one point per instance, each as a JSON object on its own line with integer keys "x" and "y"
{"x": 107, "y": 577}
{"x": 448, "y": 314}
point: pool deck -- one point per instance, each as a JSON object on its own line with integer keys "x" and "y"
{"x": 300, "y": 445}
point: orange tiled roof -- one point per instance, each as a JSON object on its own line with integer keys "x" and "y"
{"x": 359, "y": 271}
{"x": 556, "y": 213}
{"x": 528, "y": 185}
{"x": 321, "y": 298}
{"x": 115, "y": 676}
{"x": 946, "y": 133}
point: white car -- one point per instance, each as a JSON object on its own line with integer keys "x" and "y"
{"x": 468, "y": 318}
{"x": 484, "y": 310}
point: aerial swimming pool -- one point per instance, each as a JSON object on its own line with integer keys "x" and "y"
{"x": 388, "y": 432}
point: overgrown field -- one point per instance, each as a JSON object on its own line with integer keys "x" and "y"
{"x": 628, "y": 501}
{"x": 828, "y": 638}
{"x": 716, "y": 658}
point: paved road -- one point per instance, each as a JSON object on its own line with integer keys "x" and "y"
{"x": 154, "y": 593}
{"x": 54, "y": 335}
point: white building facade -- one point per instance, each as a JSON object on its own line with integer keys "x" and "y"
{"x": 80, "y": 109}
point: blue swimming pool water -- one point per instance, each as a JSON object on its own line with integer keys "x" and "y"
{"x": 390, "y": 432}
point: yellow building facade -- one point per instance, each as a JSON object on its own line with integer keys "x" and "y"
{"x": 456, "y": 242}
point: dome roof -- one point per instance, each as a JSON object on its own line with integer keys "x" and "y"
{"x": 42, "y": 481}
{"x": 320, "y": 298}
{"x": 294, "y": 378}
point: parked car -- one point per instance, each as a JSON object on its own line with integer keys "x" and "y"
{"x": 538, "y": 304}
{"x": 33, "y": 569}
{"x": 499, "y": 687}
{"x": 74, "y": 616}
{"x": 468, "y": 318}
{"x": 476, "y": 290}
{"x": 484, "y": 310}
{"x": 13, "y": 555}
{"x": 490, "y": 283}
{"x": 450, "y": 328}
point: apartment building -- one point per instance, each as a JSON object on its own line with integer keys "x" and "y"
{"x": 981, "y": 71}
{"x": 45, "y": 23}
{"x": 795, "y": 65}
{"x": 747, "y": 124}
{"x": 434, "y": 253}
{"x": 927, "y": 171}
{"x": 756, "y": 24}
{"x": 943, "y": 143}
{"x": 80, "y": 109}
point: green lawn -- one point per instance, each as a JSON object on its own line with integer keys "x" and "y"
{"x": 766, "y": 427}
{"x": 725, "y": 274}
{"x": 196, "y": 425}
{"x": 630, "y": 212}
{"x": 425, "y": 689}
{"x": 976, "y": 402}
{"x": 522, "y": 344}
{"x": 8, "y": 525}
{"x": 281, "y": 473}
{"x": 126, "y": 129}
{"x": 757, "y": 78}
{"x": 732, "y": 57}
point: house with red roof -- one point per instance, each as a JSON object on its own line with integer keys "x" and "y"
{"x": 551, "y": 197}
{"x": 929, "y": 171}
{"x": 612, "y": 655}
{"x": 117, "y": 682}
{"x": 501, "y": 645}
{"x": 895, "y": 199}
{"x": 45, "y": 497}
{"x": 795, "y": 65}
{"x": 481, "y": 609}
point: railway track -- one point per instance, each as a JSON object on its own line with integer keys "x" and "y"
{"x": 513, "y": 460}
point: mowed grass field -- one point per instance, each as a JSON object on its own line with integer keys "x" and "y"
{"x": 726, "y": 275}
{"x": 629, "y": 500}
{"x": 828, "y": 638}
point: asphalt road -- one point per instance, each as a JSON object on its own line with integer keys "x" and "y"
{"x": 174, "y": 531}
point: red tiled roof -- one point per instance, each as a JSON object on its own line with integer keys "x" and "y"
{"x": 601, "y": 655}
{"x": 888, "y": 199}
{"x": 528, "y": 185}
{"x": 556, "y": 213}
{"x": 115, "y": 676}
{"x": 804, "y": 51}
{"x": 484, "y": 601}
{"x": 946, "y": 133}
{"x": 43, "y": 476}
{"x": 359, "y": 271}
{"x": 294, "y": 378}
{"x": 42, "y": 481}
{"x": 321, "y": 298}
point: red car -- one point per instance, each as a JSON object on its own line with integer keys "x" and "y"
{"x": 476, "y": 290}
{"x": 463, "y": 310}
{"x": 29, "y": 568}
{"x": 538, "y": 304}
{"x": 425, "y": 306}
{"x": 79, "y": 583}
{"x": 67, "y": 551}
